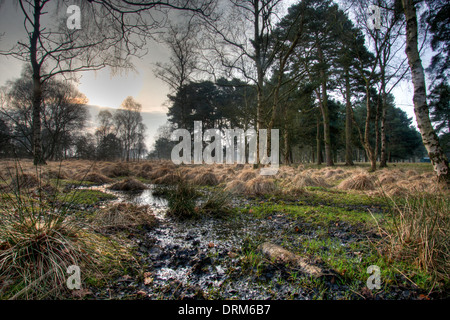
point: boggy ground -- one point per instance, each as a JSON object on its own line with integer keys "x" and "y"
{"x": 335, "y": 218}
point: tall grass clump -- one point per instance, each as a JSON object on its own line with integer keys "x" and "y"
{"x": 39, "y": 240}
{"x": 181, "y": 200}
{"x": 420, "y": 233}
{"x": 185, "y": 201}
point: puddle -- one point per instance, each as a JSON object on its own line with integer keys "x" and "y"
{"x": 144, "y": 197}
{"x": 204, "y": 255}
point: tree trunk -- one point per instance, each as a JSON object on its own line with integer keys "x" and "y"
{"x": 429, "y": 136}
{"x": 325, "y": 114}
{"x": 383, "y": 157}
{"x": 260, "y": 76}
{"x": 377, "y": 129}
{"x": 348, "y": 123}
{"x": 287, "y": 146}
{"x": 371, "y": 156}
{"x": 38, "y": 157}
{"x": 318, "y": 141}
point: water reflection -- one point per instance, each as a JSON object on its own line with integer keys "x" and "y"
{"x": 144, "y": 197}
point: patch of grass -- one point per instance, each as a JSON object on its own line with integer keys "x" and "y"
{"x": 181, "y": 200}
{"x": 38, "y": 241}
{"x": 419, "y": 233}
{"x": 123, "y": 216}
{"x": 85, "y": 197}
{"x": 217, "y": 204}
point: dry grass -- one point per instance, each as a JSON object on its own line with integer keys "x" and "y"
{"x": 205, "y": 179}
{"x": 360, "y": 181}
{"x": 260, "y": 186}
{"x": 115, "y": 170}
{"x": 128, "y": 185}
{"x": 56, "y": 174}
{"x": 94, "y": 177}
{"x": 286, "y": 172}
{"x": 160, "y": 172}
{"x": 387, "y": 178}
{"x": 420, "y": 233}
{"x": 303, "y": 180}
{"x": 247, "y": 174}
{"x": 24, "y": 181}
{"x": 124, "y": 216}
{"x": 169, "y": 179}
{"x": 235, "y": 187}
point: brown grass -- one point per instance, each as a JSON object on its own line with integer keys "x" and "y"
{"x": 246, "y": 175}
{"x": 303, "y": 180}
{"x": 24, "y": 180}
{"x": 260, "y": 186}
{"x": 56, "y": 174}
{"x": 205, "y": 179}
{"x": 387, "y": 178}
{"x": 160, "y": 172}
{"x": 235, "y": 187}
{"x": 115, "y": 170}
{"x": 360, "y": 181}
{"x": 124, "y": 215}
{"x": 169, "y": 179}
{"x": 128, "y": 185}
{"x": 93, "y": 177}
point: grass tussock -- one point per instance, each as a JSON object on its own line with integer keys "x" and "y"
{"x": 260, "y": 186}
{"x": 168, "y": 179}
{"x": 420, "y": 233}
{"x": 124, "y": 216}
{"x": 38, "y": 242}
{"x": 247, "y": 174}
{"x": 360, "y": 181}
{"x": 160, "y": 172}
{"x": 94, "y": 177}
{"x": 216, "y": 204}
{"x": 303, "y": 180}
{"x": 56, "y": 174}
{"x": 117, "y": 170}
{"x": 128, "y": 185}
{"x": 205, "y": 179}
{"x": 235, "y": 187}
{"x": 184, "y": 201}
{"x": 181, "y": 200}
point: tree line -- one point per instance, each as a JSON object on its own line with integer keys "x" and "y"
{"x": 119, "y": 136}
{"x": 312, "y": 69}
{"x": 324, "y": 79}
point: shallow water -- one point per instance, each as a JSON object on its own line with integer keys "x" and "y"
{"x": 185, "y": 257}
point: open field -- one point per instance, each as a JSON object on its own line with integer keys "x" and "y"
{"x": 153, "y": 230}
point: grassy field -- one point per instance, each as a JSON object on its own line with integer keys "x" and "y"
{"x": 344, "y": 219}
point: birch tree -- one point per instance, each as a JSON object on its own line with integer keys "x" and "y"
{"x": 429, "y": 136}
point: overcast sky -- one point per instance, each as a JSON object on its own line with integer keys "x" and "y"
{"x": 105, "y": 91}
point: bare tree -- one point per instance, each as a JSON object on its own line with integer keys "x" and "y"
{"x": 183, "y": 57}
{"x": 111, "y": 32}
{"x": 63, "y": 113}
{"x": 241, "y": 42}
{"x": 183, "y": 61}
{"x": 129, "y": 126}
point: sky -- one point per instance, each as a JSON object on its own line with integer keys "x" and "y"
{"x": 107, "y": 91}
{"x": 101, "y": 88}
